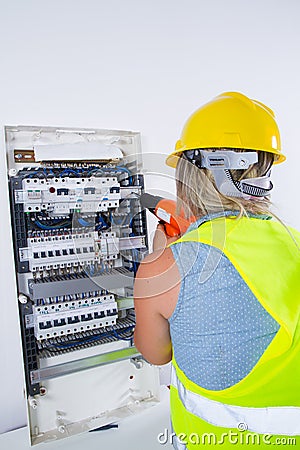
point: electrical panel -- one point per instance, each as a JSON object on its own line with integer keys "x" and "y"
{"x": 79, "y": 234}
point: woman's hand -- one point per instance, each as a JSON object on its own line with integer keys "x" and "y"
{"x": 161, "y": 240}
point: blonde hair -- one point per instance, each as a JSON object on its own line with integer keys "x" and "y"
{"x": 198, "y": 195}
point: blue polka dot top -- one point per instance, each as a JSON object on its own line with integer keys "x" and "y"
{"x": 219, "y": 329}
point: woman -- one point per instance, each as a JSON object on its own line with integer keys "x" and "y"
{"x": 223, "y": 300}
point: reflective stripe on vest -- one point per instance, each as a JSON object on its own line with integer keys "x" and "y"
{"x": 283, "y": 420}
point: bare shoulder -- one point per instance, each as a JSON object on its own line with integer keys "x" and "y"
{"x": 158, "y": 277}
{"x": 156, "y": 262}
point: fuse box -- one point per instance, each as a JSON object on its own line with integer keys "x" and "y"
{"x": 79, "y": 234}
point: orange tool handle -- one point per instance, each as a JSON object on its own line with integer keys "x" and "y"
{"x": 174, "y": 223}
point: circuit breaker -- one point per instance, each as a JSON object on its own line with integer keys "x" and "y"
{"x": 79, "y": 234}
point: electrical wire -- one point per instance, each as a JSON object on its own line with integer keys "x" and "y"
{"x": 50, "y": 172}
{"x": 116, "y": 169}
{"x": 134, "y": 218}
{"x": 68, "y": 171}
{"x": 128, "y": 338}
{"x": 123, "y": 220}
{"x": 33, "y": 173}
{"x": 78, "y": 342}
{"x": 95, "y": 170}
{"x": 123, "y": 169}
{"x": 102, "y": 224}
{"x": 84, "y": 223}
{"x": 50, "y": 227}
{"x": 134, "y": 260}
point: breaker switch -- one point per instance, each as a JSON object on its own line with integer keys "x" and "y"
{"x": 74, "y": 319}
{"x": 89, "y": 190}
{"x": 114, "y": 190}
{"x": 59, "y": 323}
{"x": 86, "y": 317}
{"x": 45, "y": 325}
{"x": 99, "y": 315}
{"x": 62, "y": 191}
{"x": 111, "y": 312}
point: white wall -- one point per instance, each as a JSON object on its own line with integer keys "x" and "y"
{"x": 138, "y": 65}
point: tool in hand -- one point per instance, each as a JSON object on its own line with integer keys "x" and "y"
{"x": 165, "y": 210}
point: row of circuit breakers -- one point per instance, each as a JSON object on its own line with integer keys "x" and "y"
{"x": 79, "y": 235}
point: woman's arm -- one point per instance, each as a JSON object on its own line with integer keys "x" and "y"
{"x": 156, "y": 290}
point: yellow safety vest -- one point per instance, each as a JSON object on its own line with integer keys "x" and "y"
{"x": 262, "y": 409}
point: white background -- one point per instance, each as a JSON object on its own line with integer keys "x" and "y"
{"x": 142, "y": 66}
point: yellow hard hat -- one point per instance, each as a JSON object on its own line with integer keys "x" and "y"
{"x": 230, "y": 120}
